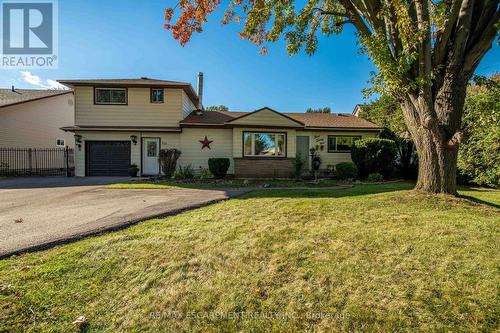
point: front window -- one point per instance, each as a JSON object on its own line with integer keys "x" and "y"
{"x": 60, "y": 143}
{"x": 156, "y": 95}
{"x": 341, "y": 144}
{"x": 264, "y": 144}
{"x": 110, "y": 96}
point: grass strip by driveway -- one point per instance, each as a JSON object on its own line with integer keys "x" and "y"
{"x": 369, "y": 258}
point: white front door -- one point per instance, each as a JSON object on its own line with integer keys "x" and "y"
{"x": 150, "y": 151}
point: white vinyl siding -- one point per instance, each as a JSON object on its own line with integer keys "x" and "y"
{"x": 192, "y": 153}
{"x": 139, "y": 111}
{"x": 187, "y": 105}
{"x": 265, "y": 118}
{"x": 316, "y": 138}
{"x": 37, "y": 124}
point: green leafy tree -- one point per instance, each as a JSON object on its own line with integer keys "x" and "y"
{"x": 326, "y": 109}
{"x": 217, "y": 108}
{"x": 425, "y": 51}
{"x": 479, "y": 156}
{"x": 385, "y": 111}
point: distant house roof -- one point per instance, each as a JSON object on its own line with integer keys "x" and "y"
{"x": 310, "y": 120}
{"x": 139, "y": 82}
{"x": 358, "y": 108}
{"x": 17, "y": 96}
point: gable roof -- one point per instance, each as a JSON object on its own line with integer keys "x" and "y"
{"x": 18, "y": 96}
{"x": 138, "y": 82}
{"x": 358, "y": 108}
{"x": 308, "y": 120}
{"x": 246, "y": 114}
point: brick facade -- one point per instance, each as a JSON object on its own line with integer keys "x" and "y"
{"x": 263, "y": 167}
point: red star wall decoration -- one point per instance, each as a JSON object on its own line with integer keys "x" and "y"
{"x": 205, "y": 143}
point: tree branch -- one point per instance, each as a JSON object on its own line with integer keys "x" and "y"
{"x": 443, "y": 40}
{"x": 456, "y": 140}
{"x": 477, "y": 51}
{"x": 461, "y": 35}
{"x": 356, "y": 18}
{"x": 484, "y": 18}
{"x": 328, "y": 12}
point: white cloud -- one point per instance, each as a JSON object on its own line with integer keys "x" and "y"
{"x": 35, "y": 80}
{"x": 55, "y": 85}
{"x": 31, "y": 79}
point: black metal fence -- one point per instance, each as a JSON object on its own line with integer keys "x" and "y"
{"x": 15, "y": 162}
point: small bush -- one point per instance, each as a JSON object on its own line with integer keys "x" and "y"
{"x": 218, "y": 167}
{"x": 298, "y": 165}
{"x": 168, "y": 160}
{"x": 346, "y": 170}
{"x": 375, "y": 177}
{"x": 204, "y": 173}
{"x": 374, "y": 155}
{"x": 186, "y": 172}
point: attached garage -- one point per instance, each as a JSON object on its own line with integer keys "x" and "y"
{"x": 107, "y": 158}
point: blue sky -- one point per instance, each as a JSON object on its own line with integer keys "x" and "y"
{"x": 126, "y": 39}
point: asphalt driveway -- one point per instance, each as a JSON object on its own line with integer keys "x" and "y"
{"x": 40, "y": 212}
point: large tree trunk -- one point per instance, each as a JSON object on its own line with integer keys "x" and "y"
{"x": 437, "y": 165}
{"x": 434, "y": 124}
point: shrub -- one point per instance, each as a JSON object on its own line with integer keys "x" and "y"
{"x": 478, "y": 156}
{"x": 375, "y": 177}
{"x": 204, "y": 173}
{"x": 186, "y": 172}
{"x": 374, "y": 155}
{"x": 346, "y": 170}
{"x": 168, "y": 160}
{"x": 298, "y": 165}
{"x": 132, "y": 170}
{"x": 218, "y": 167}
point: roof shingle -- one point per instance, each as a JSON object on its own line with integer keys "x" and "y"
{"x": 315, "y": 120}
{"x": 9, "y": 97}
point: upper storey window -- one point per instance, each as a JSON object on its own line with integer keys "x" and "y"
{"x": 157, "y": 95}
{"x": 110, "y": 96}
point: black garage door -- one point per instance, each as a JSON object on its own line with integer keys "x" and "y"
{"x": 107, "y": 158}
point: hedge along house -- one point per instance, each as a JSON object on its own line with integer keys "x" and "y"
{"x": 127, "y": 121}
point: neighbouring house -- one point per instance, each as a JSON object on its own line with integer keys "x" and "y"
{"x": 32, "y": 118}
{"x": 127, "y": 121}
{"x": 358, "y": 109}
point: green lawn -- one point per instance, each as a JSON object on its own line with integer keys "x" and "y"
{"x": 369, "y": 258}
{"x": 212, "y": 184}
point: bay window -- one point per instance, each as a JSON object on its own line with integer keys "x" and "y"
{"x": 264, "y": 144}
{"x": 341, "y": 143}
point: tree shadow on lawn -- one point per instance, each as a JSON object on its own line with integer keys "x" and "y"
{"x": 476, "y": 195}
{"x": 356, "y": 190}
{"x": 479, "y": 201}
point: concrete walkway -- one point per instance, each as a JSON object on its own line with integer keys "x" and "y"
{"x": 34, "y": 215}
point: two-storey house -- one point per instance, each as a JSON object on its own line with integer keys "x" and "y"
{"x": 127, "y": 121}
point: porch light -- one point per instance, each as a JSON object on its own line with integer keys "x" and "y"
{"x": 134, "y": 139}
